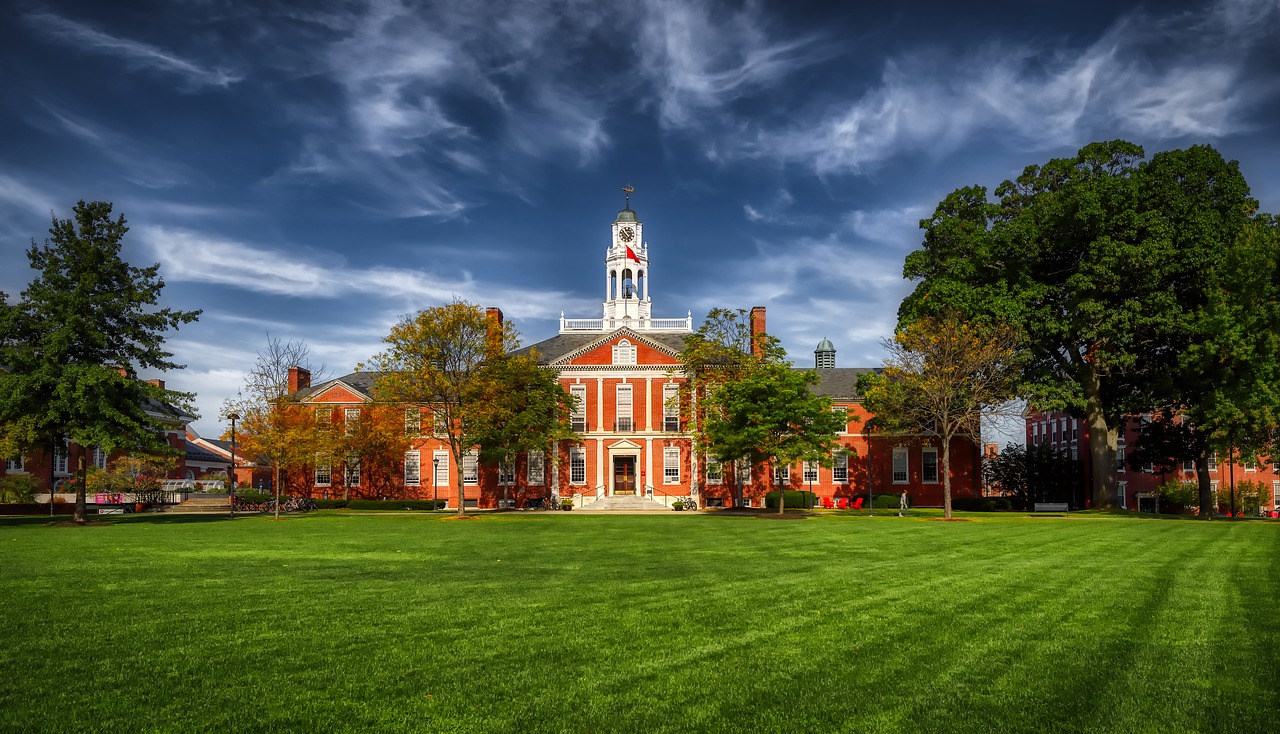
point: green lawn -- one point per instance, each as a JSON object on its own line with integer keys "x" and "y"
{"x": 566, "y": 622}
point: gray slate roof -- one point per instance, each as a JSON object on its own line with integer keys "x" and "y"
{"x": 360, "y": 381}
{"x": 549, "y": 350}
{"x": 840, "y": 382}
{"x": 195, "y": 453}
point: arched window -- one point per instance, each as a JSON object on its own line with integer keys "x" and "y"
{"x": 628, "y": 284}
{"x": 624, "y": 352}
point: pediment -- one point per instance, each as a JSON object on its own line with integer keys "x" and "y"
{"x": 625, "y": 443}
{"x": 600, "y": 351}
{"x": 339, "y": 392}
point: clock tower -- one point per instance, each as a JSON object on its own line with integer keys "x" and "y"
{"x": 626, "y": 269}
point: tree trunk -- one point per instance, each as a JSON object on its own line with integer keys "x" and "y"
{"x": 1202, "y": 477}
{"x": 83, "y": 473}
{"x": 1102, "y": 443}
{"x": 946, "y": 477}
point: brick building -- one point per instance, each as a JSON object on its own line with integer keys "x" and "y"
{"x": 624, "y": 370}
{"x": 1136, "y": 485}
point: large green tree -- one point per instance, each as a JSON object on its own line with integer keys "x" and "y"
{"x": 436, "y": 358}
{"x": 515, "y": 407}
{"x": 74, "y": 341}
{"x": 1100, "y": 261}
{"x": 944, "y": 376}
{"x": 747, "y": 402}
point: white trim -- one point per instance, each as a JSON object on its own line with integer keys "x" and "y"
{"x": 671, "y": 465}
{"x": 323, "y": 475}
{"x": 937, "y": 466}
{"x": 471, "y": 468}
{"x": 577, "y": 459}
{"x": 905, "y": 454}
{"x": 412, "y": 468}
{"x": 536, "y": 469}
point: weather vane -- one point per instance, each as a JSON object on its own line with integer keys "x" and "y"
{"x": 628, "y": 189}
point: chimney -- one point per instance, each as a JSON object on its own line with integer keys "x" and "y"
{"x": 156, "y": 383}
{"x": 493, "y": 332}
{"x": 299, "y": 379}
{"x": 757, "y": 330}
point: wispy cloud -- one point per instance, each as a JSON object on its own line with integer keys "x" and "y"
{"x": 1123, "y": 82}
{"x": 135, "y": 53}
{"x": 699, "y": 57}
{"x": 131, "y": 162}
{"x": 197, "y": 257}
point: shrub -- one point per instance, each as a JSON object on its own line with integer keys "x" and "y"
{"x": 19, "y": 488}
{"x": 887, "y": 501}
{"x": 1249, "y": 496}
{"x": 1177, "y": 497}
{"x": 254, "y": 496}
{"x": 330, "y": 504}
{"x": 793, "y": 497}
{"x": 395, "y": 504}
{"x": 982, "y": 504}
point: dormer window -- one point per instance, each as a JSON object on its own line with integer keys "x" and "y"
{"x": 624, "y": 352}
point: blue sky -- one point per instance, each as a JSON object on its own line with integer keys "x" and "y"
{"x": 315, "y": 170}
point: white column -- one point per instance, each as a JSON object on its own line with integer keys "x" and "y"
{"x": 599, "y": 463}
{"x": 648, "y": 463}
{"x": 648, "y": 404}
{"x": 600, "y": 404}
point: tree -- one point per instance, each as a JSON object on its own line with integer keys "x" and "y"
{"x": 73, "y": 342}
{"x": 1099, "y": 260}
{"x": 273, "y": 426}
{"x": 371, "y": 450}
{"x": 945, "y": 376}
{"x": 746, "y": 401}
{"x": 1033, "y": 474}
{"x": 514, "y": 407}
{"x": 436, "y": 358}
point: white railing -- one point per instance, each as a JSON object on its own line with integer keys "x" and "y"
{"x": 637, "y": 323}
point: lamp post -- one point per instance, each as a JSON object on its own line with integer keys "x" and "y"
{"x": 435, "y": 493}
{"x": 231, "y": 478}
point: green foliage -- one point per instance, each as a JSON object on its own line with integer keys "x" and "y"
{"x": 19, "y": 488}
{"x": 1031, "y": 474}
{"x": 72, "y": 342}
{"x": 983, "y": 504}
{"x": 887, "y": 501}
{"x": 1176, "y": 497}
{"x": 794, "y": 498}
{"x": 394, "y": 504}
{"x": 1247, "y": 496}
{"x": 1103, "y": 262}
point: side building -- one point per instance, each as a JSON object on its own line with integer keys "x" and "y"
{"x": 624, "y": 370}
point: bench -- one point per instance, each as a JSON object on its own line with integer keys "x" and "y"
{"x": 1051, "y": 507}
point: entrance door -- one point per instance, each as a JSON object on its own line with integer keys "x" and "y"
{"x": 624, "y": 475}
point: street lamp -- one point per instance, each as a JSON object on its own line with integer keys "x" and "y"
{"x": 231, "y": 478}
{"x": 435, "y": 493}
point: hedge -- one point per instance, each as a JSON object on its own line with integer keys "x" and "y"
{"x": 795, "y": 498}
{"x": 888, "y": 501}
{"x": 394, "y": 504}
{"x": 981, "y": 504}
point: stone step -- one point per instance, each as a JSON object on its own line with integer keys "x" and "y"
{"x": 625, "y": 503}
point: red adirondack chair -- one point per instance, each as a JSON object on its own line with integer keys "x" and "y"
{"x": 857, "y": 504}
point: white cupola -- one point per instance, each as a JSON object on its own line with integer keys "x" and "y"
{"x": 626, "y": 271}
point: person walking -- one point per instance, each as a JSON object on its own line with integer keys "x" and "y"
{"x": 903, "y": 510}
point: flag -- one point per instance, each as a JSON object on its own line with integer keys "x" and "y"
{"x": 631, "y": 255}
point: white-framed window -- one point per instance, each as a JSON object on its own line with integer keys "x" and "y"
{"x": 1213, "y": 461}
{"x": 577, "y": 465}
{"x": 782, "y": 473}
{"x": 324, "y": 471}
{"x": 351, "y": 418}
{"x": 506, "y": 473}
{"x": 578, "y": 419}
{"x": 742, "y": 471}
{"x": 670, "y": 407}
{"x": 715, "y": 471}
{"x": 439, "y": 423}
{"x": 1249, "y": 465}
{"x": 324, "y": 416}
{"x": 900, "y": 465}
{"x": 1188, "y": 466}
{"x": 412, "y": 422}
{"x": 536, "y": 467}
{"x": 671, "y": 465}
{"x": 412, "y": 468}
{"x": 929, "y": 465}
{"x": 440, "y": 468}
{"x": 844, "y": 425}
{"x": 98, "y": 459}
{"x": 1075, "y": 453}
{"x": 900, "y": 456}
{"x": 1075, "y": 429}
{"x": 840, "y": 466}
{"x": 60, "y": 454}
{"x": 16, "y": 465}
{"x": 471, "y": 468}
{"x": 624, "y": 408}
{"x": 1149, "y": 467}
{"x": 1213, "y": 490}
{"x": 1275, "y": 495}
{"x": 352, "y": 468}
{"x": 1123, "y": 494}
{"x": 624, "y": 352}
{"x": 809, "y": 471}
{"x": 1120, "y": 462}
{"x": 1275, "y": 466}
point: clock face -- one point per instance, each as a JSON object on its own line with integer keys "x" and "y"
{"x": 626, "y": 234}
